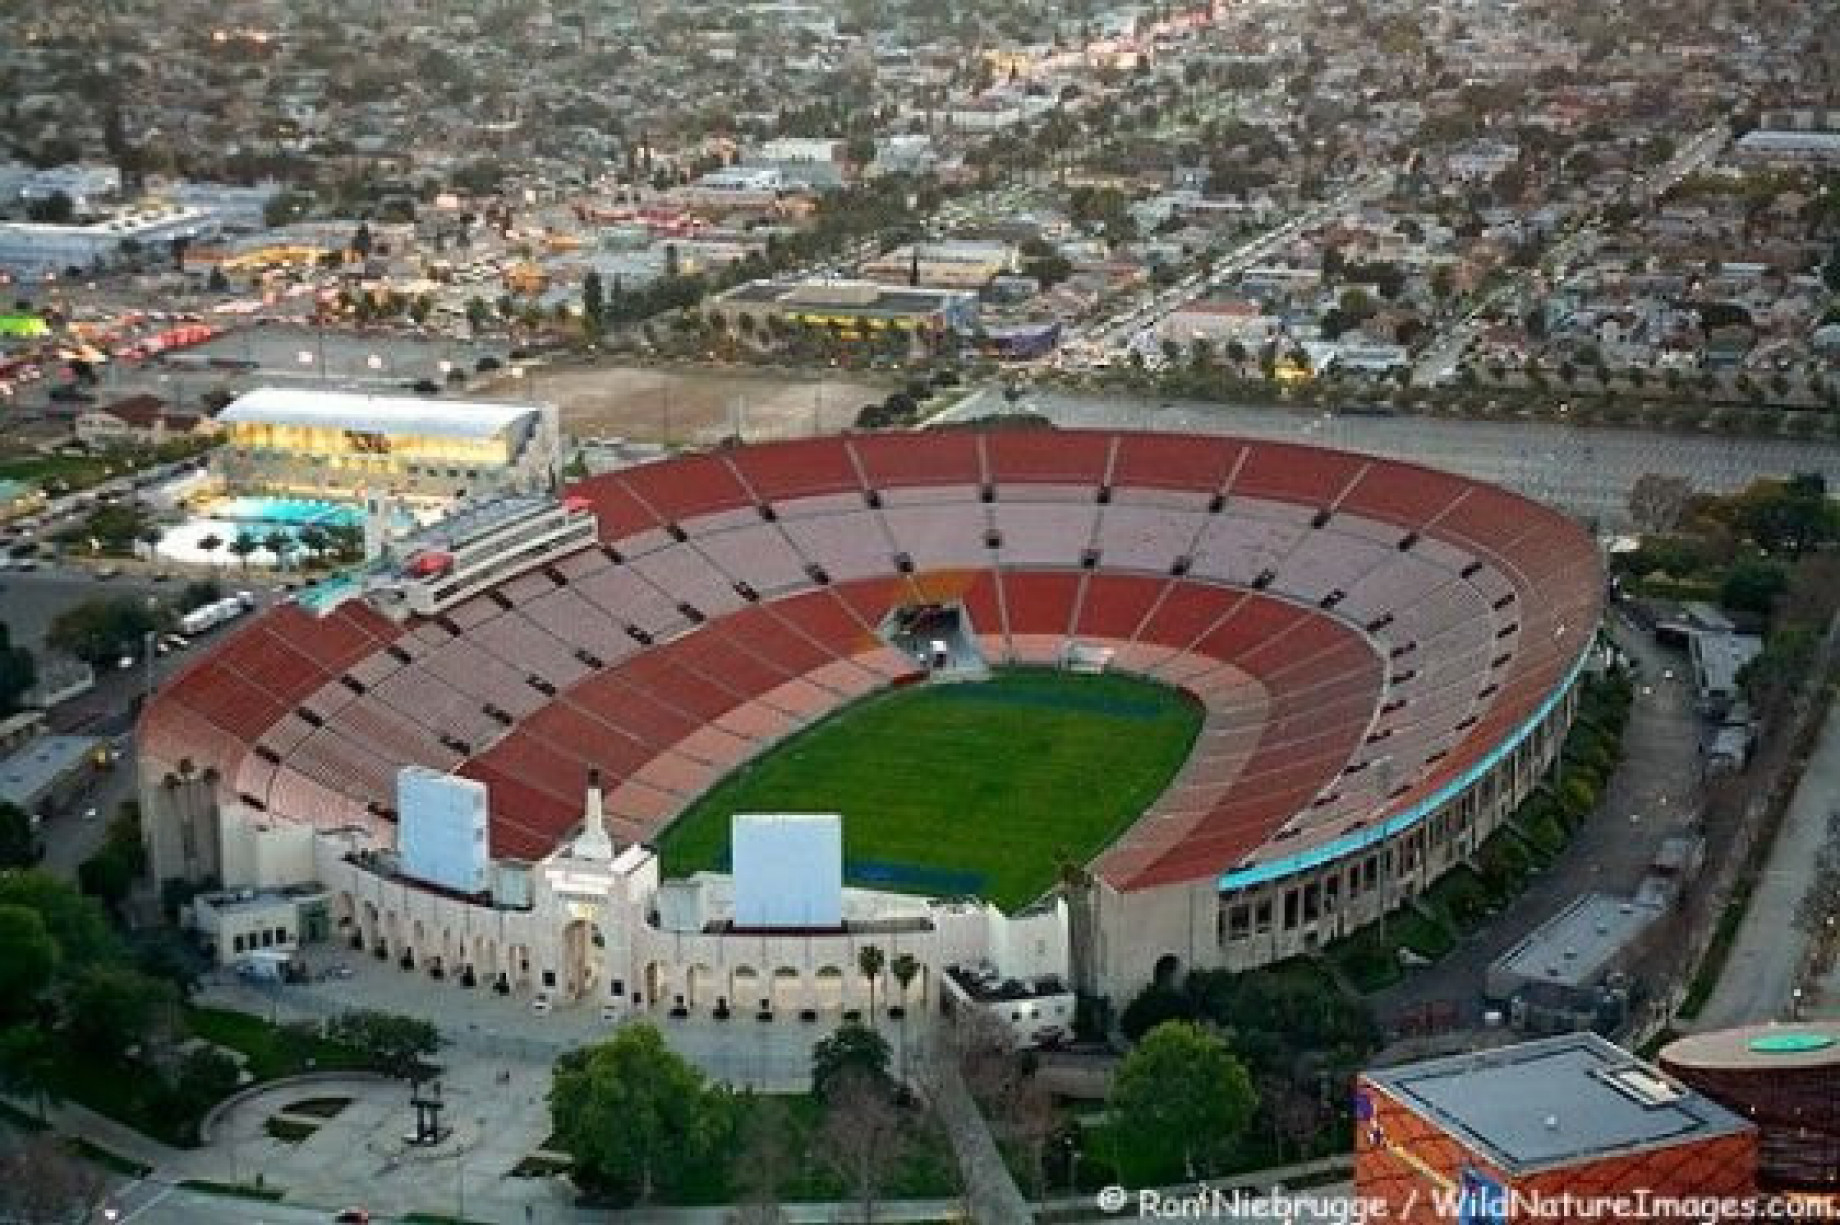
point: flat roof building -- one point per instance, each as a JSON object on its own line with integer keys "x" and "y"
{"x": 853, "y": 306}
{"x": 1560, "y": 970}
{"x": 1569, "y": 1114}
{"x": 347, "y": 445}
{"x": 33, "y": 248}
{"x": 1718, "y": 658}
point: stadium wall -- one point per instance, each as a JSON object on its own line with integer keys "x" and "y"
{"x": 1203, "y": 925}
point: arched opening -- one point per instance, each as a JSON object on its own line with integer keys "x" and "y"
{"x": 788, "y": 993}
{"x": 654, "y": 982}
{"x": 582, "y": 943}
{"x": 827, "y": 989}
{"x": 1168, "y": 969}
{"x": 392, "y": 941}
{"x": 517, "y": 967}
{"x": 368, "y": 934}
{"x": 746, "y": 993}
{"x": 702, "y": 988}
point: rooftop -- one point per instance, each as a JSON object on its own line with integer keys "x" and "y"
{"x": 1799, "y": 1047}
{"x": 1575, "y": 946}
{"x": 1555, "y": 1102}
{"x": 29, "y": 773}
{"x": 374, "y": 414}
{"x": 1719, "y": 657}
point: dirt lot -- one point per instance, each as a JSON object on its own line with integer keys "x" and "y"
{"x": 692, "y": 406}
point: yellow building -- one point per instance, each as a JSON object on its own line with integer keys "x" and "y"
{"x": 342, "y": 445}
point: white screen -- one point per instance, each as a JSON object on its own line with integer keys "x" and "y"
{"x": 441, "y": 831}
{"x": 788, "y": 869}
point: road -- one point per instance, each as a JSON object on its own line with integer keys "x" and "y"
{"x": 1758, "y": 981}
{"x": 1119, "y": 331}
{"x": 1587, "y": 472}
{"x": 1650, "y": 798}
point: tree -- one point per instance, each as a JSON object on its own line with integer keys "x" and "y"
{"x": 18, "y": 671}
{"x": 633, "y": 1115}
{"x": 1656, "y": 501}
{"x": 905, "y": 967}
{"x": 853, "y": 1049}
{"x": 78, "y": 926}
{"x": 862, "y": 1137}
{"x": 392, "y": 1045}
{"x": 869, "y": 958}
{"x": 206, "y": 1076}
{"x": 41, "y": 1179}
{"x": 593, "y": 299}
{"x": 150, "y": 535}
{"x": 1793, "y": 516}
{"x": 279, "y": 544}
{"x": 478, "y": 314}
{"x": 209, "y": 543}
{"x": 1753, "y": 584}
{"x": 55, "y": 209}
{"x": 315, "y": 540}
{"x": 29, "y": 1065}
{"x": 110, "y": 873}
{"x": 198, "y": 593}
{"x": 28, "y": 958}
{"x": 102, "y": 630}
{"x": 1178, "y": 1101}
{"x": 771, "y": 1142}
{"x": 19, "y": 844}
{"x": 110, "y": 1008}
{"x": 244, "y": 546}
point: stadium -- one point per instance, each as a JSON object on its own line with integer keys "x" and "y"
{"x": 1379, "y": 660}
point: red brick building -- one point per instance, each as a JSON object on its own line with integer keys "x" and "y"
{"x": 1785, "y": 1079}
{"x": 1476, "y": 1139}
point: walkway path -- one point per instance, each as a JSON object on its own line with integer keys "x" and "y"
{"x": 1759, "y": 975}
{"x": 989, "y": 1188}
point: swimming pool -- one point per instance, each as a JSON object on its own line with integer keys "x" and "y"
{"x": 287, "y": 512}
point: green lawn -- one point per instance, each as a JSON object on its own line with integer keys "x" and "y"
{"x": 272, "y": 1051}
{"x": 963, "y": 788}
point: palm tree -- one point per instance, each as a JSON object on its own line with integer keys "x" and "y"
{"x": 209, "y": 544}
{"x": 279, "y": 544}
{"x": 244, "y": 545}
{"x": 869, "y": 960}
{"x": 905, "y": 967}
{"x": 315, "y": 540}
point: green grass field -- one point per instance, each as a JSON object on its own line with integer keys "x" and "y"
{"x": 963, "y": 788}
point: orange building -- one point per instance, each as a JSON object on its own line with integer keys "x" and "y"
{"x": 1565, "y": 1129}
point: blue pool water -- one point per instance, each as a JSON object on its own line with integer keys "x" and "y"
{"x": 288, "y": 512}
